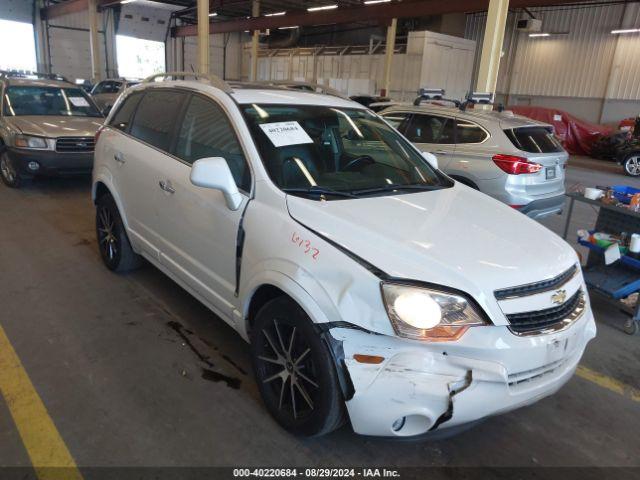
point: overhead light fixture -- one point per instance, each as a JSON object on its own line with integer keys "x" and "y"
{"x": 213, "y": 14}
{"x": 373, "y": 2}
{"x": 288, "y": 28}
{"x": 323, "y": 7}
{"x": 539, "y": 34}
{"x": 625, "y": 30}
{"x": 274, "y": 14}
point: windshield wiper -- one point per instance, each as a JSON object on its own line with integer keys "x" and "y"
{"x": 320, "y": 191}
{"x": 390, "y": 188}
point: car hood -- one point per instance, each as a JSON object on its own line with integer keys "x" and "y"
{"x": 57, "y": 126}
{"x": 456, "y": 237}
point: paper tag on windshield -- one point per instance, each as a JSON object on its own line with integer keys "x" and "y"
{"x": 557, "y": 118}
{"x": 282, "y": 134}
{"x": 79, "y": 101}
{"x": 612, "y": 254}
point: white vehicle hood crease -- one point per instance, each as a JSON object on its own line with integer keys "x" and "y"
{"x": 455, "y": 237}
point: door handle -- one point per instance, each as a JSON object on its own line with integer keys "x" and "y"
{"x": 118, "y": 157}
{"x": 166, "y": 186}
{"x": 440, "y": 152}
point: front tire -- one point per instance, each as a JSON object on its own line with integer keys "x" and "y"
{"x": 631, "y": 164}
{"x": 8, "y": 172}
{"x": 113, "y": 243}
{"x": 294, "y": 370}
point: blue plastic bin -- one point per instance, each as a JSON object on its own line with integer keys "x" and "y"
{"x": 624, "y": 193}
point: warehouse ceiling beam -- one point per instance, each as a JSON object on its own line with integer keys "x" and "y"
{"x": 383, "y": 12}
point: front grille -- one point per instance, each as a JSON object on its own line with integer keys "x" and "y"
{"x": 75, "y": 144}
{"x": 537, "y": 287}
{"x": 549, "y": 319}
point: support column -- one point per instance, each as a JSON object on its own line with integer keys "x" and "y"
{"x": 42, "y": 40}
{"x": 492, "y": 47}
{"x": 94, "y": 41}
{"x": 388, "y": 57}
{"x": 253, "y": 73}
{"x": 203, "y": 36}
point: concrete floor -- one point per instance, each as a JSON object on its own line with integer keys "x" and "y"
{"x": 117, "y": 360}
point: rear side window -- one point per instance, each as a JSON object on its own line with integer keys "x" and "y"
{"x": 534, "y": 140}
{"x": 467, "y": 132}
{"x": 430, "y": 129}
{"x": 123, "y": 116}
{"x": 398, "y": 120}
{"x": 108, "y": 86}
{"x": 156, "y": 116}
{"x": 206, "y": 132}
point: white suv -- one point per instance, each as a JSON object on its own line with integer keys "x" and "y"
{"x": 369, "y": 284}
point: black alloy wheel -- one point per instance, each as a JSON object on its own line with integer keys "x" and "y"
{"x": 294, "y": 370}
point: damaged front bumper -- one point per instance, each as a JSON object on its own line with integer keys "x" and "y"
{"x": 424, "y": 387}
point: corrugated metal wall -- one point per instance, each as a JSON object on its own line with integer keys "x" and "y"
{"x": 431, "y": 60}
{"x": 583, "y": 59}
{"x": 230, "y": 69}
{"x": 624, "y": 82}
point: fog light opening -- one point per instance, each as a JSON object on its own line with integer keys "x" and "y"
{"x": 411, "y": 425}
{"x": 33, "y": 166}
{"x": 398, "y": 424}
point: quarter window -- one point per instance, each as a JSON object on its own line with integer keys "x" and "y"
{"x": 398, "y": 120}
{"x": 123, "y": 116}
{"x": 206, "y": 132}
{"x": 468, "y": 132}
{"x": 430, "y": 129}
{"x": 108, "y": 86}
{"x": 155, "y": 118}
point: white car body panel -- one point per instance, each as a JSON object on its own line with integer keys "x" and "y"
{"x": 331, "y": 256}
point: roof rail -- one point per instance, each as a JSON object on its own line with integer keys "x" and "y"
{"x": 433, "y": 95}
{"x": 213, "y": 80}
{"x": 27, "y": 74}
{"x": 481, "y": 98}
{"x": 318, "y": 87}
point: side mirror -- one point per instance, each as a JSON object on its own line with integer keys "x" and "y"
{"x": 106, "y": 109}
{"x": 431, "y": 158}
{"x": 214, "y": 173}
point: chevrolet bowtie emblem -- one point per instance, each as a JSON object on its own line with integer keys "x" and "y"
{"x": 559, "y": 297}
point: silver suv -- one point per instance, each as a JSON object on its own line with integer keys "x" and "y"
{"x": 511, "y": 158}
{"x": 47, "y": 127}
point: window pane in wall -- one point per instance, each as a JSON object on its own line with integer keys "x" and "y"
{"x": 22, "y": 53}
{"x": 139, "y": 58}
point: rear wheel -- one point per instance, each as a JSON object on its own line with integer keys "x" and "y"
{"x": 8, "y": 171}
{"x": 631, "y": 164}
{"x": 114, "y": 245}
{"x": 295, "y": 371}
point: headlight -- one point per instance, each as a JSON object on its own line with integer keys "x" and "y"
{"x": 26, "y": 141}
{"x": 427, "y": 314}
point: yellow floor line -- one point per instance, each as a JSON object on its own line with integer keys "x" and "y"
{"x": 609, "y": 383}
{"x": 48, "y": 453}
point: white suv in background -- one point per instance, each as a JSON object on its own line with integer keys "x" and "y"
{"x": 512, "y": 158}
{"x": 369, "y": 285}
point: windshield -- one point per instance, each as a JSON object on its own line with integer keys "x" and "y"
{"x": 53, "y": 101}
{"x": 338, "y": 152}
